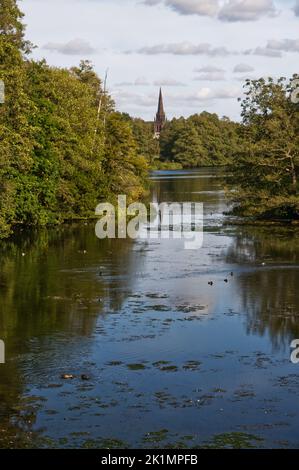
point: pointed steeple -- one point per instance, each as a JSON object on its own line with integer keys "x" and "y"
{"x": 161, "y": 105}
{"x": 160, "y": 116}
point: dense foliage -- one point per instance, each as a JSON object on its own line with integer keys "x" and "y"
{"x": 63, "y": 148}
{"x": 266, "y": 167}
{"x": 143, "y": 132}
{"x": 201, "y": 140}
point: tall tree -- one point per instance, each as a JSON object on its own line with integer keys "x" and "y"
{"x": 122, "y": 160}
{"x": 15, "y": 130}
{"x": 266, "y": 171}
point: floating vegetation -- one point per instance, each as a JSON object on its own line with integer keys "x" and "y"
{"x": 157, "y": 296}
{"x": 165, "y": 366}
{"x": 105, "y": 444}
{"x": 160, "y": 363}
{"x": 155, "y": 437}
{"x": 169, "y": 368}
{"x": 159, "y": 308}
{"x": 136, "y": 366}
{"x": 234, "y": 440}
{"x": 191, "y": 308}
{"x": 192, "y": 365}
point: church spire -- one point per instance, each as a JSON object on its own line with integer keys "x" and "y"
{"x": 161, "y": 105}
{"x": 160, "y": 117}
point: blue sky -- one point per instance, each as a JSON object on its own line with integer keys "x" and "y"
{"x": 199, "y": 51}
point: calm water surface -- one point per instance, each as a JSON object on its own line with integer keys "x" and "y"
{"x": 171, "y": 360}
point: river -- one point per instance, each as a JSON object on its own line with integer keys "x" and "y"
{"x": 159, "y": 356}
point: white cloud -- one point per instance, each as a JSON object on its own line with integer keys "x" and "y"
{"x": 209, "y": 73}
{"x": 246, "y": 10}
{"x": 140, "y": 81}
{"x": 209, "y": 69}
{"x": 185, "y": 48}
{"x": 189, "y": 7}
{"x": 263, "y": 51}
{"x": 276, "y": 48}
{"x": 273, "y": 48}
{"x": 284, "y": 45}
{"x": 73, "y": 47}
{"x": 243, "y": 68}
{"x": 194, "y": 7}
{"x": 168, "y": 82}
{"x": 225, "y": 10}
{"x": 296, "y": 8}
{"x": 211, "y": 76}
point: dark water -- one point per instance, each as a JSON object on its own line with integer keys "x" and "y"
{"x": 171, "y": 360}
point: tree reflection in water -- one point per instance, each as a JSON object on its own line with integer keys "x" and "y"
{"x": 269, "y": 282}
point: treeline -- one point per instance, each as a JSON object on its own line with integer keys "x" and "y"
{"x": 200, "y": 140}
{"x": 63, "y": 148}
{"x": 265, "y": 168}
{"x": 143, "y": 132}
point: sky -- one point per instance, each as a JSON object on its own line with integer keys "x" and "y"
{"x": 199, "y": 51}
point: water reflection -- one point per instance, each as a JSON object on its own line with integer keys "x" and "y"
{"x": 269, "y": 284}
{"x": 193, "y": 342}
{"x": 48, "y": 280}
{"x": 53, "y": 285}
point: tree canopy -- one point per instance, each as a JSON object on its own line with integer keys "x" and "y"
{"x": 61, "y": 153}
{"x": 266, "y": 168}
{"x": 200, "y": 140}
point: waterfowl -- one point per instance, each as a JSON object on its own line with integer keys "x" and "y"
{"x": 85, "y": 377}
{"x": 67, "y": 376}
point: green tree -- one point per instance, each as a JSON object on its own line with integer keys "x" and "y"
{"x": 144, "y": 136}
{"x": 265, "y": 174}
{"x": 15, "y": 130}
{"x": 188, "y": 148}
{"x": 122, "y": 161}
{"x": 169, "y": 134}
{"x": 200, "y": 140}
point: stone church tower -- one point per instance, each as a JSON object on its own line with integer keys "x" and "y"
{"x": 160, "y": 117}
